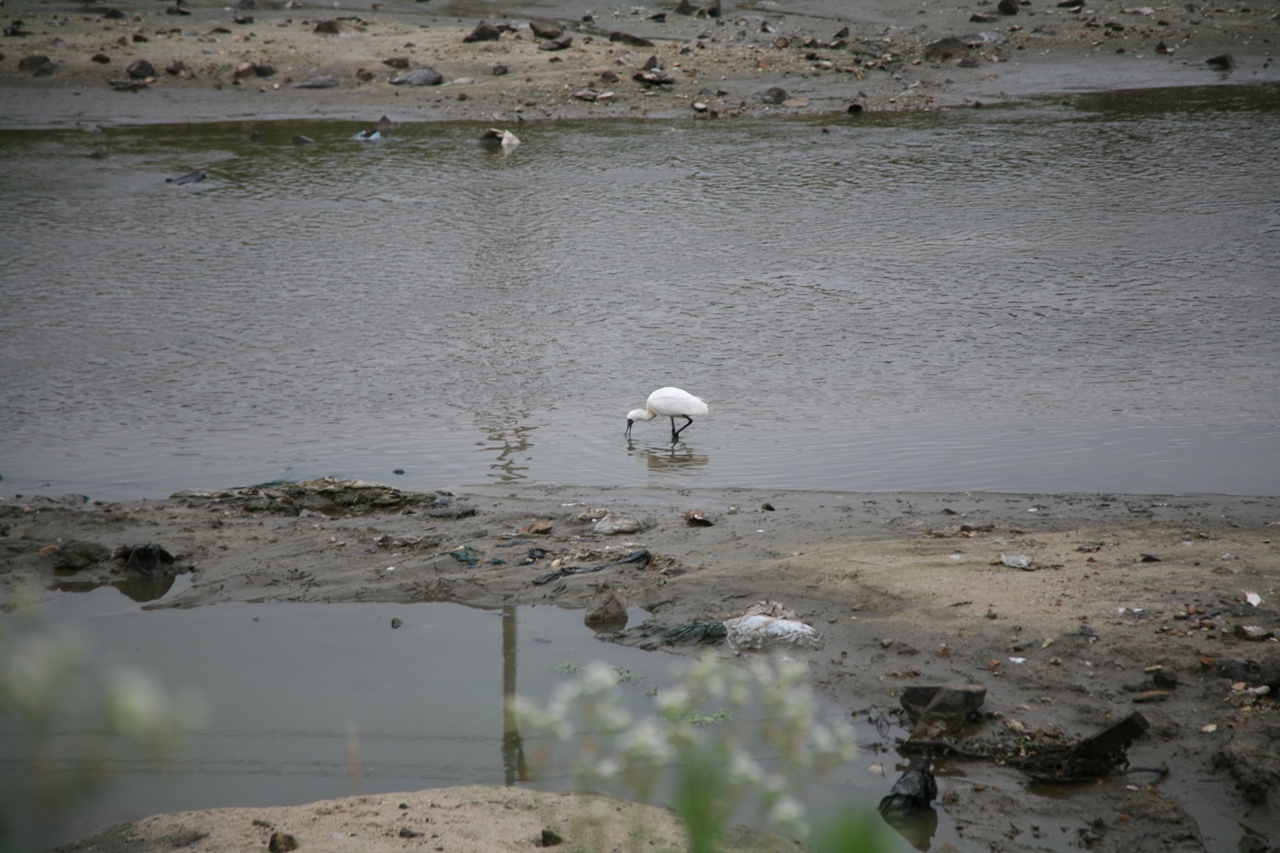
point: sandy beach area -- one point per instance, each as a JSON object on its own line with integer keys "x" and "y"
{"x": 1164, "y": 605}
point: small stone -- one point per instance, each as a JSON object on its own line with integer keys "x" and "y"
{"x": 282, "y": 842}
{"x": 484, "y": 31}
{"x": 697, "y": 518}
{"x": 545, "y": 29}
{"x": 421, "y": 77}
{"x": 141, "y": 70}
{"x": 537, "y": 528}
{"x": 608, "y": 608}
{"x": 396, "y": 623}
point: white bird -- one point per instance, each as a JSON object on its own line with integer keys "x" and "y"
{"x": 671, "y": 403}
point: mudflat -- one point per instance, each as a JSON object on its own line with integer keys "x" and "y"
{"x": 1073, "y": 611}
{"x": 141, "y": 62}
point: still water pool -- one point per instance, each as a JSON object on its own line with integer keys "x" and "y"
{"x": 1049, "y": 296}
{"x": 306, "y": 702}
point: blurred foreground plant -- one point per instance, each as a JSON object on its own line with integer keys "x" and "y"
{"x": 699, "y": 747}
{"x": 66, "y": 725}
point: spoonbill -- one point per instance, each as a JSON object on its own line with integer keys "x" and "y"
{"x": 671, "y": 403}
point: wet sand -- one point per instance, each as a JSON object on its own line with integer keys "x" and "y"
{"x": 906, "y": 589}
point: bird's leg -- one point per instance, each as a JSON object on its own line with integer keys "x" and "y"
{"x": 675, "y": 433}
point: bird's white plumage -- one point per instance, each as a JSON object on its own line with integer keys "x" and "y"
{"x": 670, "y": 403}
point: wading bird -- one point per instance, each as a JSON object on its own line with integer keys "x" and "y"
{"x": 671, "y": 403}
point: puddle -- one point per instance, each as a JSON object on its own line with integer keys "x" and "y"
{"x": 293, "y": 691}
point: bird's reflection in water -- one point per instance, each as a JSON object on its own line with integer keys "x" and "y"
{"x": 918, "y": 826}
{"x": 677, "y": 457}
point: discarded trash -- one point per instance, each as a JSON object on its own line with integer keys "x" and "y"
{"x": 612, "y": 524}
{"x": 465, "y": 554}
{"x": 944, "y": 709}
{"x": 1253, "y": 632}
{"x": 640, "y": 555}
{"x": 696, "y": 632}
{"x": 1016, "y": 561}
{"x": 907, "y": 807}
{"x": 697, "y": 518}
{"x": 1252, "y": 597}
{"x": 501, "y": 138}
{"x": 915, "y": 789}
{"x": 769, "y": 623}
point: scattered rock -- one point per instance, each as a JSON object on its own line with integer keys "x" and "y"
{"x": 398, "y": 62}
{"x": 697, "y": 518}
{"x": 545, "y": 29}
{"x": 281, "y": 842}
{"x": 560, "y": 43}
{"x": 1224, "y": 61}
{"x": 653, "y": 77}
{"x": 337, "y": 26}
{"x": 946, "y": 48}
{"x": 421, "y": 77}
{"x": 1008, "y": 7}
{"x": 608, "y": 608}
{"x": 321, "y": 81}
{"x": 710, "y": 10}
{"x": 772, "y": 95}
{"x": 38, "y": 64}
{"x": 484, "y": 31}
{"x": 627, "y": 38}
{"x": 537, "y": 528}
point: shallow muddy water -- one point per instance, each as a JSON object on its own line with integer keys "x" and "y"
{"x": 307, "y": 702}
{"x": 1047, "y": 297}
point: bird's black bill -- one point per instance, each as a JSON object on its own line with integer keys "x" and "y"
{"x": 628, "y": 432}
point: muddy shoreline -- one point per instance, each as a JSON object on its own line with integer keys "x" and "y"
{"x": 906, "y": 589}
{"x": 66, "y": 65}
